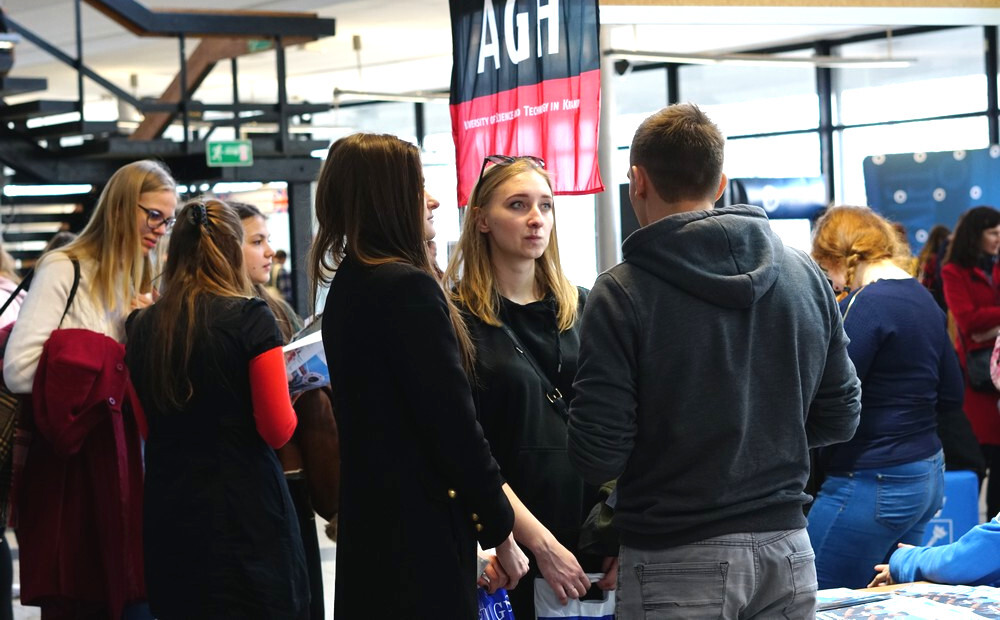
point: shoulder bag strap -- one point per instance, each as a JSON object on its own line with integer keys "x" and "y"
{"x": 72, "y": 291}
{"x": 552, "y": 393}
{"x": 20, "y": 287}
{"x": 850, "y": 304}
{"x": 23, "y": 285}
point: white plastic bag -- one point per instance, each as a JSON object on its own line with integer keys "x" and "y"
{"x": 547, "y": 604}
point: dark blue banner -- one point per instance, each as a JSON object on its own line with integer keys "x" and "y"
{"x": 920, "y": 190}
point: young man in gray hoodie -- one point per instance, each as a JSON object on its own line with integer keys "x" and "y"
{"x": 712, "y": 358}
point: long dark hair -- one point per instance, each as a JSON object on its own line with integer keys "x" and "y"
{"x": 205, "y": 257}
{"x": 288, "y": 321}
{"x": 369, "y": 206}
{"x": 369, "y": 201}
{"x": 967, "y": 240}
{"x": 937, "y": 237}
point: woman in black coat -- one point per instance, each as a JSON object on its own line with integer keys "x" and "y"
{"x": 418, "y": 483}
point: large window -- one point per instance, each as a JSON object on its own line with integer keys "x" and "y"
{"x": 946, "y": 78}
{"x": 792, "y": 156}
{"x": 637, "y": 95}
{"x": 753, "y": 99}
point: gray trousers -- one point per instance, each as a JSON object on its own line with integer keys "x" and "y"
{"x": 735, "y": 576}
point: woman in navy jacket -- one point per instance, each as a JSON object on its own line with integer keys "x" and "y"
{"x": 971, "y": 280}
{"x": 418, "y": 483}
{"x": 884, "y": 484}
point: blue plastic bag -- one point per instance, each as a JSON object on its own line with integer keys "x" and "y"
{"x": 494, "y": 606}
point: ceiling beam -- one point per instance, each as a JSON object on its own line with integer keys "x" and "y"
{"x": 144, "y": 22}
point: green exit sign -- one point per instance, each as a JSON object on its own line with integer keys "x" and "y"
{"x": 229, "y": 153}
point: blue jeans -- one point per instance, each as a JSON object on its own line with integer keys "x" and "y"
{"x": 859, "y": 516}
{"x": 734, "y": 576}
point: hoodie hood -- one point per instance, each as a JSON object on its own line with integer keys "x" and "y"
{"x": 729, "y": 256}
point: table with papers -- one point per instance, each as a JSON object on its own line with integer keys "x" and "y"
{"x": 914, "y": 601}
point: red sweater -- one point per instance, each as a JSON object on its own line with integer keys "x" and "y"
{"x": 974, "y": 301}
{"x": 79, "y": 499}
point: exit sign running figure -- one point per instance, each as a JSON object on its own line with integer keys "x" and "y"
{"x": 229, "y": 153}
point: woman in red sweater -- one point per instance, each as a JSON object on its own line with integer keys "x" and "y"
{"x": 971, "y": 279}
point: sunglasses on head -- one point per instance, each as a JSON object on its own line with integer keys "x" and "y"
{"x": 506, "y": 160}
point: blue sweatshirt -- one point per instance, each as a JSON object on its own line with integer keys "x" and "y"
{"x": 973, "y": 559}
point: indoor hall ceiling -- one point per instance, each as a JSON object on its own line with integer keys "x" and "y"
{"x": 413, "y": 38}
{"x": 405, "y": 46}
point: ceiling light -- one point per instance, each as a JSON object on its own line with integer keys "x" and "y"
{"x": 21, "y": 228}
{"x": 46, "y": 190}
{"x": 8, "y": 40}
{"x": 417, "y": 96}
{"x": 840, "y": 62}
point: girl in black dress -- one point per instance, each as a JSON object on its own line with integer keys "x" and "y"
{"x": 220, "y": 533}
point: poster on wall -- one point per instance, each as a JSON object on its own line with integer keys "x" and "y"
{"x": 919, "y": 190}
{"x": 526, "y": 81}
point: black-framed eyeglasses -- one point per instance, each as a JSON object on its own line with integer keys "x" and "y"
{"x": 155, "y": 219}
{"x": 506, "y": 160}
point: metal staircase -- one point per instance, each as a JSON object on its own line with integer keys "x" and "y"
{"x": 47, "y": 141}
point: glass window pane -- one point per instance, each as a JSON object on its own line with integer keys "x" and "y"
{"x": 791, "y": 156}
{"x": 393, "y": 118}
{"x": 947, "y": 78}
{"x": 748, "y": 100}
{"x": 576, "y": 223}
{"x": 439, "y": 144}
{"x": 637, "y": 95}
{"x": 853, "y": 145}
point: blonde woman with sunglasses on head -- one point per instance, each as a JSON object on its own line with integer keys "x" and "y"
{"x": 523, "y": 314}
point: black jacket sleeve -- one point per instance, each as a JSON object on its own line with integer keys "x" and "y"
{"x": 836, "y": 408}
{"x": 427, "y": 366}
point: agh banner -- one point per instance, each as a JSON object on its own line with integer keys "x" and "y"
{"x": 526, "y": 81}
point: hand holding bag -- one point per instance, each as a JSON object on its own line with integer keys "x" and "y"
{"x": 995, "y": 364}
{"x": 494, "y": 606}
{"x": 977, "y": 365}
{"x": 547, "y": 605}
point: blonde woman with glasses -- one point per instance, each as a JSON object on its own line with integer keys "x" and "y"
{"x": 79, "y": 497}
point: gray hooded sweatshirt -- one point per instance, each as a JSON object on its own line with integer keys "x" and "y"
{"x": 711, "y": 360}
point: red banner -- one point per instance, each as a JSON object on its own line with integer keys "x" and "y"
{"x": 526, "y": 81}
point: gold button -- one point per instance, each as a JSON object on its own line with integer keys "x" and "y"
{"x": 452, "y": 493}
{"x": 475, "y": 517}
{"x": 479, "y": 527}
